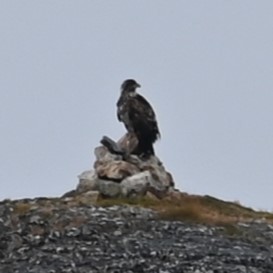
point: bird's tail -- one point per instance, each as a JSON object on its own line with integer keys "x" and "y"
{"x": 145, "y": 148}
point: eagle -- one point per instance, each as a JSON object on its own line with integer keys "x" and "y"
{"x": 138, "y": 117}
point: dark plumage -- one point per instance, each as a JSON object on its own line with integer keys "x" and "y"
{"x": 138, "y": 117}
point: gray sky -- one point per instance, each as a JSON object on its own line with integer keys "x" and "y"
{"x": 206, "y": 67}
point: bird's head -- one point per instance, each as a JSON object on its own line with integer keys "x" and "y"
{"x": 129, "y": 86}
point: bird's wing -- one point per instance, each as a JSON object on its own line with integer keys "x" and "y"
{"x": 141, "y": 111}
{"x": 120, "y": 108}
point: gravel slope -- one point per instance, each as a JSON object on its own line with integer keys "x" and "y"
{"x": 40, "y": 236}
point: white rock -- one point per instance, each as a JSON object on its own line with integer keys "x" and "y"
{"x": 115, "y": 170}
{"x": 88, "y": 181}
{"x": 136, "y": 184}
{"x": 102, "y": 154}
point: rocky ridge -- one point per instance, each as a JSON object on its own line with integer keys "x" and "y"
{"x": 78, "y": 234}
{"x": 62, "y": 235}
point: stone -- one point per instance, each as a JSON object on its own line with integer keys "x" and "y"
{"x": 109, "y": 188}
{"x": 116, "y": 170}
{"x": 151, "y": 196}
{"x": 170, "y": 178}
{"x": 88, "y": 181}
{"x": 173, "y": 194}
{"x": 155, "y": 166}
{"x": 111, "y": 145}
{"x": 103, "y": 154}
{"x": 90, "y": 197}
{"x": 137, "y": 184}
{"x": 128, "y": 143}
{"x": 70, "y": 194}
{"x": 137, "y": 175}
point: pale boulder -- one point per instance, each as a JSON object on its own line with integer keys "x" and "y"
{"x": 116, "y": 170}
{"x": 88, "y": 181}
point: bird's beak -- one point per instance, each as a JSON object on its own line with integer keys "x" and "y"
{"x": 138, "y": 85}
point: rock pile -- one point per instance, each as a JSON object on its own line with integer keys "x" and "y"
{"x": 115, "y": 175}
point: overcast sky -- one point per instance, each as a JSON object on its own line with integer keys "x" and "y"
{"x": 205, "y": 66}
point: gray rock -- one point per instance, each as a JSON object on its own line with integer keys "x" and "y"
{"x": 128, "y": 142}
{"x": 102, "y": 154}
{"x": 88, "y": 181}
{"x": 137, "y": 175}
{"x": 115, "y": 170}
{"x": 155, "y": 166}
{"x": 109, "y": 188}
{"x": 137, "y": 184}
{"x": 140, "y": 183}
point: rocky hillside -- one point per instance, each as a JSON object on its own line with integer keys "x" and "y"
{"x": 70, "y": 234}
{"x": 126, "y": 215}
